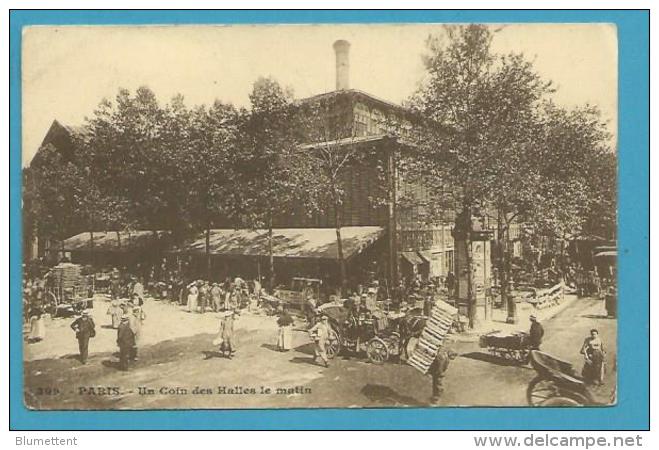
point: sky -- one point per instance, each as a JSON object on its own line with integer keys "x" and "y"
{"x": 66, "y": 71}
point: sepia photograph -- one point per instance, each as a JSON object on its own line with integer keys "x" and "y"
{"x": 319, "y": 216}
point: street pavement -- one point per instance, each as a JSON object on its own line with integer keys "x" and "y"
{"x": 179, "y": 367}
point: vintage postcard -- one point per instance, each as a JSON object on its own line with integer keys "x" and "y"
{"x": 319, "y": 216}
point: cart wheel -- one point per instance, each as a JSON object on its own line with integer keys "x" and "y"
{"x": 540, "y": 390}
{"x": 333, "y": 346}
{"x": 377, "y": 351}
{"x": 560, "y": 401}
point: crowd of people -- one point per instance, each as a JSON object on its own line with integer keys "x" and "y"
{"x": 232, "y": 295}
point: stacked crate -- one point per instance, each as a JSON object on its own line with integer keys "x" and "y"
{"x": 67, "y": 275}
{"x": 432, "y": 337}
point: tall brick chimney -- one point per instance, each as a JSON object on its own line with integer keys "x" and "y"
{"x": 342, "y": 51}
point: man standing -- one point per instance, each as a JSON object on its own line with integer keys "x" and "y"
{"x": 135, "y": 321}
{"x": 437, "y": 371}
{"x": 536, "y": 332}
{"x": 85, "y": 329}
{"x": 320, "y": 335}
{"x": 125, "y": 341}
{"x": 216, "y": 297}
{"x": 226, "y": 334}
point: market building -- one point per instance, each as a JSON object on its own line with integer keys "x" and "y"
{"x": 378, "y": 197}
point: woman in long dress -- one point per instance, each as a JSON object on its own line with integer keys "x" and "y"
{"x": 115, "y": 311}
{"x": 285, "y": 338}
{"x": 593, "y": 353}
{"x": 37, "y": 324}
{"x": 193, "y": 293}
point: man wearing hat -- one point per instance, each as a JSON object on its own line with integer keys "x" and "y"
{"x": 225, "y": 335}
{"x": 85, "y": 329}
{"x": 536, "y": 332}
{"x": 125, "y": 341}
{"x": 320, "y": 335}
{"x": 437, "y": 371}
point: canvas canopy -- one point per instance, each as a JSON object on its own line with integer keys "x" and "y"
{"x": 111, "y": 241}
{"x": 316, "y": 243}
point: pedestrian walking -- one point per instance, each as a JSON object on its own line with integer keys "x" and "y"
{"x": 85, "y": 329}
{"x": 285, "y": 337}
{"x": 593, "y": 353}
{"x": 320, "y": 335}
{"x": 115, "y": 311}
{"x": 225, "y": 335}
{"x": 125, "y": 341}
{"x": 437, "y": 371}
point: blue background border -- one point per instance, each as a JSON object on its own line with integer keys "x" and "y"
{"x": 632, "y": 410}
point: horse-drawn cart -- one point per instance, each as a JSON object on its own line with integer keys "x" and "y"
{"x": 380, "y": 335}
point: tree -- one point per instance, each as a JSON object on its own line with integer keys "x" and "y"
{"x": 275, "y": 174}
{"x": 127, "y": 152}
{"x": 577, "y": 191}
{"x": 501, "y": 149}
{"x": 211, "y": 184}
{"x": 482, "y": 114}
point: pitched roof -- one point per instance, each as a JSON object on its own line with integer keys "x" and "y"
{"x": 317, "y": 243}
{"x": 111, "y": 241}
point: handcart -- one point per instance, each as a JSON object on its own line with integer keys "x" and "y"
{"x": 514, "y": 346}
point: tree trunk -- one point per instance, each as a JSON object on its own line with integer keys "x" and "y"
{"x": 339, "y": 249}
{"x": 91, "y": 247}
{"x": 208, "y": 251}
{"x": 463, "y": 222}
{"x": 271, "y": 257}
{"x": 511, "y": 306}
{"x": 474, "y": 320}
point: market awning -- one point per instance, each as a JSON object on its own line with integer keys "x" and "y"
{"x": 412, "y": 258}
{"x": 315, "y": 243}
{"x": 112, "y": 241}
